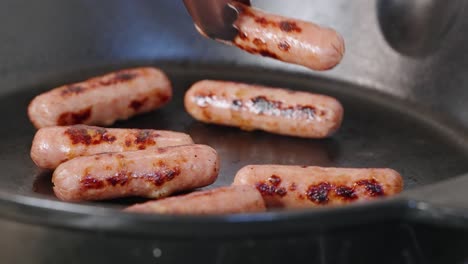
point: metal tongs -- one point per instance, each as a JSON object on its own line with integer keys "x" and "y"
{"x": 214, "y": 18}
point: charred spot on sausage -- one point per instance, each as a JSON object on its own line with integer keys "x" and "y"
{"x": 72, "y": 89}
{"x": 145, "y": 138}
{"x": 275, "y": 180}
{"x": 259, "y": 43}
{"x": 120, "y": 178}
{"x": 80, "y": 134}
{"x": 160, "y": 177}
{"x": 272, "y": 188}
{"x": 284, "y": 46}
{"x": 293, "y": 187}
{"x": 262, "y": 21}
{"x": 125, "y": 76}
{"x": 118, "y": 78}
{"x": 236, "y": 104}
{"x": 372, "y": 187}
{"x": 243, "y": 35}
{"x": 137, "y": 104}
{"x": 72, "y": 118}
{"x": 289, "y": 26}
{"x": 88, "y": 182}
{"x": 345, "y": 192}
{"x": 267, "y": 53}
{"x": 319, "y": 193}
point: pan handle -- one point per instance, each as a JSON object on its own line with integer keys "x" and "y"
{"x": 444, "y": 203}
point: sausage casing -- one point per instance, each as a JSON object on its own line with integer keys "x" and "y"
{"x": 151, "y": 173}
{"x": 224, "y": 200}
{"x": 54, "y": 145}
{"x": 298, "y": 187}
{"x": 102, "y": 100}
{"x": 274, "y": 110}
{"x": 287, "y": 39}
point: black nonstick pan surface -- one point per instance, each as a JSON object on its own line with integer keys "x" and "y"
{"x": 401, "y": 113}
{"x": 378, "y": 131}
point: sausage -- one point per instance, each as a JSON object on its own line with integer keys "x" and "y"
{"x": 102, "y": 100}
{"x": 224, "y": 200}
{"x": 299, "y": 187}
{"x": 151, "y": 173}
{"x": 54, "y": 145}
{"x": 274, "y": 110}
{"x": 287, "y": 39}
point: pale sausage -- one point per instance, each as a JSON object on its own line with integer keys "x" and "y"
{"x": 275, "y": 110}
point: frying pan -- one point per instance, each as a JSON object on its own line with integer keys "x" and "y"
{"x": 400, "y": 112}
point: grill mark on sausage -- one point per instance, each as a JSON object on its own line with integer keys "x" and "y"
{"x": 72, "y": 118}
{"x": 119, "y": 178}
{"x": 275, "y": 180}
{"x": 236, "y": 104}
{"x": 258, "y": 105}
{"x": 372, "y": 187}
{"x": 284, "y": 46}
{"x": 293, "y": 187}
{"x": 88, "y": 136}
{"x": 164, "y": 98}
{"x": 145, "y": 138}
{"x": 72, "y": 89}
{"x": 161, "y": 150}
{"x": 160, "y": 177}
{"x": 264, "y": 52}
{"x": 119, "y": 77}
{"x": 345, "y": 192}
{"x": 78, "y": 88}
{"x": 289, "y": 26}
{"x": 319, "y": 193}
{"x": 281, "y": 191}
{"x": 137, "y": 104}
{"x": 88, "y": 182}
{"x": 264, "y": 22}
{"x": 272, "y": 187}
{"x": 124, "y": 178}
{"x": 270, "y": 190}
{"x": 243, "y": 36}
{"x": 262, "y": 105}
{"x": 125, "y": 76}
{"x": 259, "y": 43}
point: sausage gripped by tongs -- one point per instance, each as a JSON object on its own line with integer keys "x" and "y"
{"x": 257, "y": 32}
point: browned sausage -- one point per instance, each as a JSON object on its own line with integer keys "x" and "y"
{"x": 151, "y": 173}
{"x": 102, "y": 100}
{"x": 296, "y": 187}
{"x": 224, "y": 200}
{"x": 287, "y": 39}
{"x": 274, "y": 110}
{"x": 54, "y": 145}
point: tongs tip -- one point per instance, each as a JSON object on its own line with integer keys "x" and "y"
{"x": 215, "y": 18}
